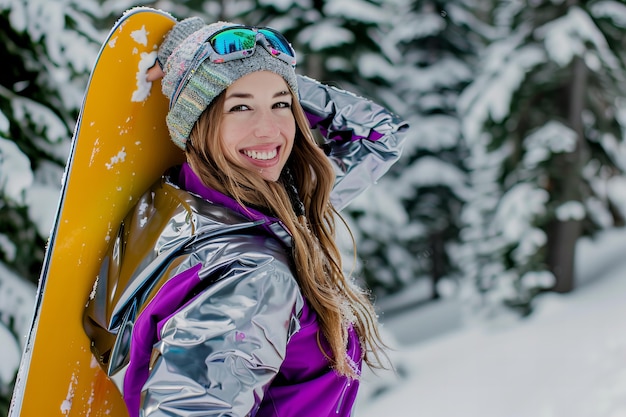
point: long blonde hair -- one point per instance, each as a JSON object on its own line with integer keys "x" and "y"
{"x": 337, "y": 302}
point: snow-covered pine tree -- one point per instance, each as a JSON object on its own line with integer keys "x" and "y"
{"x": 48, "y": 50}
{"x": 544, "y": 122}
{"x": 407, "y": 223}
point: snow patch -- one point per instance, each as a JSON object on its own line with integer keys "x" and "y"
{"x": 92, "y": 294}
{"x": 616, "y": 190}
{"x": 15, "y": 173}
{"x": 142, "y": 92}
{"x": 66, "y": 405}
{"x": 4, "y": 122}
{"x": 326, "y": 35}
{"x": 94, "y": 151}
{"x": 120, "y": 157}
{"x": 7, "y": 247}
{"x": 38, "y": 198}
{"x": 140, "y": 36}
{"x": 10, "y": 355}
{"x": 552, "y": 138}
{"x": 538, "y": 279}
{"x": 576, "y": 34}
{"x": 572, "y": 210}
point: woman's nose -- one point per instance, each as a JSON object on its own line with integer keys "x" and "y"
{"x": 266, "y": 125}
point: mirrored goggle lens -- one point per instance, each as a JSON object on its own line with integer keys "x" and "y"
{"x": 277, "y": 41}
{"x": 233, "y": 40}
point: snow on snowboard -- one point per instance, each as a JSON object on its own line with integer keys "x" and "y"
{"x": 120, "y": 147}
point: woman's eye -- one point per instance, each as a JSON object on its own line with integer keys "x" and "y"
{"x": 282, "y": 105}
{"x": 240, "y": 107}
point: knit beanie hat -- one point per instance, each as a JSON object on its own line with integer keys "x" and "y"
{"x": 191, "y": 96}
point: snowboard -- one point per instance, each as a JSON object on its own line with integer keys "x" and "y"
{"x": 119, "y": 148}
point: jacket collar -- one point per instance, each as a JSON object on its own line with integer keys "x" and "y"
{"x": 189, "y": 181}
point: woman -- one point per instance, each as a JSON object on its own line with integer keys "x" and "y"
{"x": 223, "y": 293}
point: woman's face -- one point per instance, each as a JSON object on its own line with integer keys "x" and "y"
{"x": 258, "y": 127}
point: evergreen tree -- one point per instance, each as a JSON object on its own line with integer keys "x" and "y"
{"x": 48, "y": 50}
{"x": 409, "y": 221}
{"x": 544, "y": 123}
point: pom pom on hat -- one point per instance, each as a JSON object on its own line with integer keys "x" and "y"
{"x": 190, "y": 97}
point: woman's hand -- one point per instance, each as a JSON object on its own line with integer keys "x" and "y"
{"x": 154, "y": 72}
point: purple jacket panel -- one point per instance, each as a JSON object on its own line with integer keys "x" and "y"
{"x": 170, "y": 298}
{"x": 306, "y": 386}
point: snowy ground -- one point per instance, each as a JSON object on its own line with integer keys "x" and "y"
{"x": 567, "y": 360}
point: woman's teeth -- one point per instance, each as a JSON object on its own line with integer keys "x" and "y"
{"x": 262, "y": 156}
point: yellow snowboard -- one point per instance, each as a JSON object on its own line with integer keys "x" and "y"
{"x": 120, "y": 146}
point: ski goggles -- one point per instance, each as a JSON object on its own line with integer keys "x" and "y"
{"x": 238, "y": 42}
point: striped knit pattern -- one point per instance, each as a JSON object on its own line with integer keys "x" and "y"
{"x": 209, "y": 80}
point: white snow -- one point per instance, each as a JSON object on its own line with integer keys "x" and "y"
{"x": 43, "y": 117}
{"x": 614, "y": 10}
{"x": 567, "y": 359}
{"x": 7, "y": 247}
{"x": 40, "y": 199}
{"x": 572, "y": 35}
{"x": 435, "y": 133}
{"x": 419, "y": 27}
{"x": 17, "y": 298}
{"x": 143, "y": 86}
{"x": 140, "y": 36}
{"x": 120, "y": 157}
{"x": 11, "y": 352}
{"x": 553, "y": 137}
{"x": 523, "y": 202}
{"x": 616, "y": 190}
{"x": 326, "y": 34}
{"x": 490, "y": 95}
{"x": 281, "y": 5}
{"x": 571, "y": 210}
{"x": 375, "y": 65}
{"x": 15, "y": 175}
{"x": 66, "y": 405}
{"x": 4, "y": 123}
{"x": 430, "y": 171}
{"x": 358, "y": 10}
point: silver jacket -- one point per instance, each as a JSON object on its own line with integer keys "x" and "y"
{"x": 187, "y": 281}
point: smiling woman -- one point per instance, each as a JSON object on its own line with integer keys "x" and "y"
{"x": 223, "y": 293}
